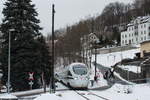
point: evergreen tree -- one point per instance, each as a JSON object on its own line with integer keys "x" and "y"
{"x": 44, "y": 60}
{"x": 21, "y": 16}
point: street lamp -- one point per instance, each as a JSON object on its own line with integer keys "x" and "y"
{"x": 9, "y": 47}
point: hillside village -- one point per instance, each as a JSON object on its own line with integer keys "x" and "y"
{"x": 136, "y": 36}
{"x": 114, "y": 46}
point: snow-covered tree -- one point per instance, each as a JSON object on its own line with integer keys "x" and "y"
{"x": 26, "y": 55}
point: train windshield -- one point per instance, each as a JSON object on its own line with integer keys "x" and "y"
{"x": 80, "y": 70}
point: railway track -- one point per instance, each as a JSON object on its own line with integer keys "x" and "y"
{"x": 99, "y": 96}
{"x": 82, "y": 95}
{"x": 86, "y": 95}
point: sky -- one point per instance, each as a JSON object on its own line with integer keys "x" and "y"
{"x": 68, "y": 12}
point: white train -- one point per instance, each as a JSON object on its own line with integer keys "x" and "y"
{"x": 75, "y": 75}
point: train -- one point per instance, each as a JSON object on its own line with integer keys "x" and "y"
{"x": 75, "y": 75}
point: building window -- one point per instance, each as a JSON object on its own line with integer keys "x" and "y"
{"x": 135, "y": 27}
{"x": 136, "y": 33}
{"x": 141, "y": 38}
{"x": 145, "y": 38}
{"x": 141, "y": 32}
{"x": 144, "y": 25}
{"x": 136, "y": 39}
{"x": 125, "y": 35}
{"x": 141, "y": 26}
{"x": 144, "y": 32}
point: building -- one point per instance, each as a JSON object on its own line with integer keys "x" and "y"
{"x": 137, "y": 31}
{"x": 93, "y": 38}
{"x": 145, "y": 48}
{"x": 87, "y": 42}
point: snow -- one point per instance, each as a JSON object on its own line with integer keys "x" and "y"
{"x": 111, "y": 59}
{"x": 116, "y": 92}
{"x": 7, "y": 96}
{"x": 63, "y": 95}
{"x": 138, "y": 92}
{"x": 47, "y": 96}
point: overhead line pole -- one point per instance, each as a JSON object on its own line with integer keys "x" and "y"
{"x": 52, "y": 84}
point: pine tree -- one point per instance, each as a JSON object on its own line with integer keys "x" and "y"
{"x": 45, "y": 61}
{"x": 21, "y": 16}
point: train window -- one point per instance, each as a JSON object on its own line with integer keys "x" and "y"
{"x": 80, "y": 70}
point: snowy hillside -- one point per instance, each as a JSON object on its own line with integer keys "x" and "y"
{"x": 111, "y": 59}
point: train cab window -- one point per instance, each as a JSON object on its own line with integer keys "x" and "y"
{"x": 80, "y": 70}
{"x": 69, "y": 73}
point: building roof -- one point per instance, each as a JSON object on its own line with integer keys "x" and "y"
{"x": 142, "y": 19}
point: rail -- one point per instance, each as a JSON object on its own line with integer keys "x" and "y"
{"x": 91, "y": 93}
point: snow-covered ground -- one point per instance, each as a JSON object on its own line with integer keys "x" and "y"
{"x": 111, "y": 59}
{"x": 119, "y": 92}
{"x": 116, "y": 92}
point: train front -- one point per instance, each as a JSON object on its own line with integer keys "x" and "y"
{"x": 80, "y": 76}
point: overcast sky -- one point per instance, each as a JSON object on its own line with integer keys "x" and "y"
{"x": 67, "y": 11}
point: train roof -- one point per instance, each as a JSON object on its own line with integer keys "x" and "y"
{"x": 77, "y": 63}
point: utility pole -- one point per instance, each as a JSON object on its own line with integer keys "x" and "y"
{"x": 52, "y": 81}
{"x": 95, "y": 77}
{"x": 9, "y": 62}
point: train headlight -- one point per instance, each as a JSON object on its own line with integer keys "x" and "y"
{"x": 75, "y": 78}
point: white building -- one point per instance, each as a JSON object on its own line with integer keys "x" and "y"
{"x": 138, "y": 30}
